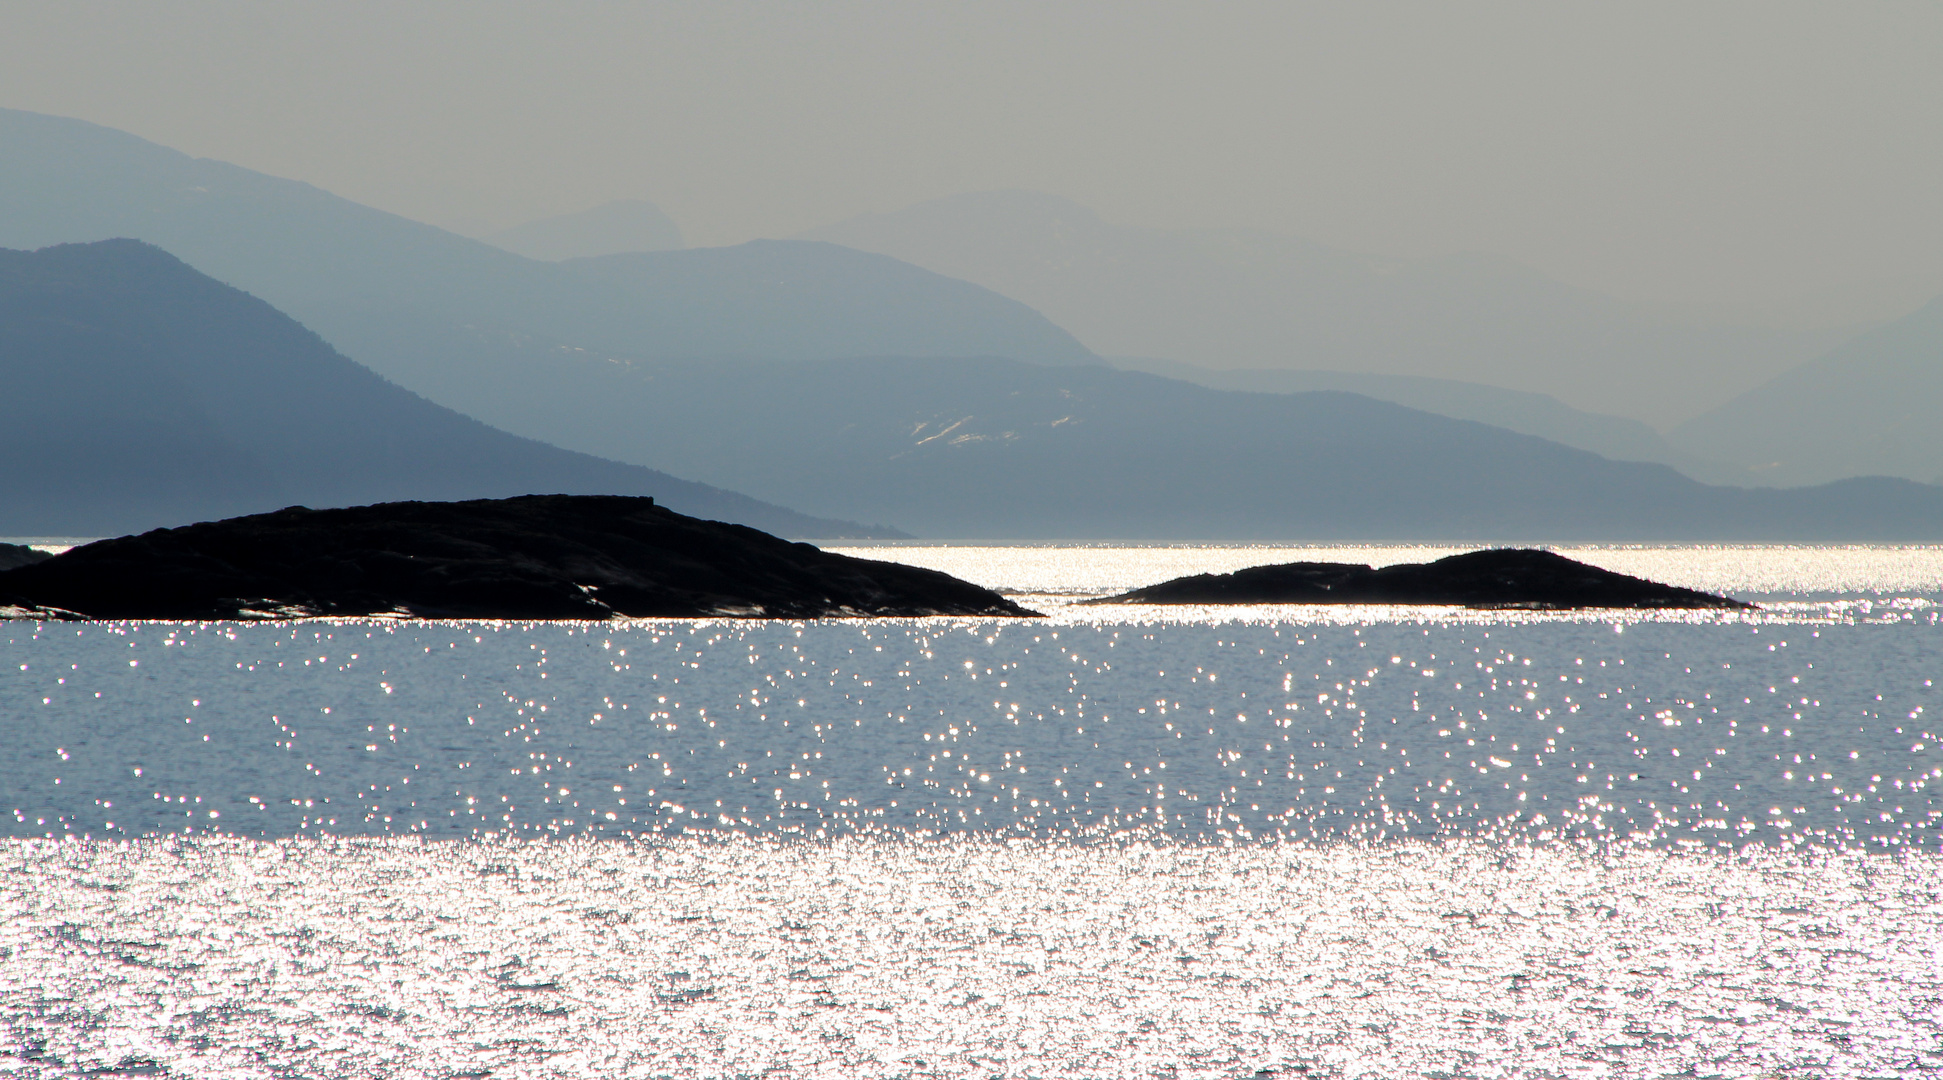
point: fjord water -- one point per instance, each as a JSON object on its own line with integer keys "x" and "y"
{"x": 1115, "y": 841}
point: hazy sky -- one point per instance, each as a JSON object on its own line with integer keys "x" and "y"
{"x": 1783, "y": 156}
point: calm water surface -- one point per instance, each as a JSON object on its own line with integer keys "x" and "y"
{"x": 1115, "y": 841}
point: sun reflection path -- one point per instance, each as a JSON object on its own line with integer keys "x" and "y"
{"x": 969, "y": 956}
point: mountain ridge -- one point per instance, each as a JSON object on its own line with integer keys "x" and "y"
{"x": 991, "y": 448}
{"x": 159, "y": 395}
{"x": 1244, "y": 299}
{"x": 1866, "y": 407}
{"x": 1522, "y": 411}
{"x": 388, "y": 291}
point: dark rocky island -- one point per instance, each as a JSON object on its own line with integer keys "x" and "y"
{"x": 12, "y": 555}
{"x": 533, "y": 557}
{"x": 1497, "y": 578}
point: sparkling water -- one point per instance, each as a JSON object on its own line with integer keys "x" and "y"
{"x": 1114, "y": 841}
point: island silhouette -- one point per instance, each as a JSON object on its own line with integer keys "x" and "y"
{"x": 533, "y": 557}
{"x": 1494, "y": 578}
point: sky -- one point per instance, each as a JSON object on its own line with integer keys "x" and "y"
{"x": 1775, "y": 161}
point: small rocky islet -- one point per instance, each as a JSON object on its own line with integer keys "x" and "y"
{"x": 1516, "y": 578}
{"x": 531, "y": 557}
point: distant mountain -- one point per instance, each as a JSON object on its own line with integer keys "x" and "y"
{"x": 993, "y": 448}
{"x": 1868, "y": 407}
{"x": 410, "y": 300}
{"x": 608, "y": 229}
{"x": 652, "y": 358}
{"x": 1514, "y": 410}
{"x": 775, "y": 299}
{"x": 1236, "y": 298}
{"x": 142, "y": 393}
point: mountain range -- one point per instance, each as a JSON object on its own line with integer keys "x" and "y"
{"x": 412, "y": 302}
{"x": 143, "y": 393}
{"x": 840, "y": 382}
{"x": 1251, "y": 299}
{"x": 994, "y": 448}
{"x": 1866, "y": 408}
{"x": 1522, "y": 411}
{"x": 1467, "y": 337}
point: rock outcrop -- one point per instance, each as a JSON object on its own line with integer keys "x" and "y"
{"x": 1497, "y": 578}
{"x": 532, "y": 557}
{"x": 12, "y": 555}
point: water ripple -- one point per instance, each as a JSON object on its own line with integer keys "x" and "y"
{"x": 1716, "y": 730}
{"x": 1356, "y": 842}
{"x": 860, "y": 957}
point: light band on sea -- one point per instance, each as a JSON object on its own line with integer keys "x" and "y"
{"x": 1714, "y": 729}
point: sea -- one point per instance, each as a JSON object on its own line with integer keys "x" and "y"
{"x": 1112, "y": 841}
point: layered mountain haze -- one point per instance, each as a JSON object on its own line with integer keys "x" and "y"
{"x": 773, "y": 299}
{"x": 998, "y": 449}
{"x": 1521, "y": 411}
{"x": 1867, "y": 408}
{"x": 410, "y": 301}
{"x": 841, "y": 382}
{"x": 142, "y": 393}
{"x": 1238, "y": 298}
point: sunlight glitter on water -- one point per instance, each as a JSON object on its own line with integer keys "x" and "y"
{"x": 1774, "y": 730}
{"x": 968, "y": 958}
{"x": 1372, "y": 842}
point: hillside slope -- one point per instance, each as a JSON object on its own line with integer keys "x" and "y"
{"x": 1869, "y": 407}
{"x": 1514, "y": 410}
{"x": 410, "y": 300}
{"x": 1241, "y": 298}
{"x": 142, "y": 393}
{"x": 993, "y": 448}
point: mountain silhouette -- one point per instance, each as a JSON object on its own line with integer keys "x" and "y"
{"x": 608, "y": 229}
{"x": 143, "y": 393}
{"x": 998, "y": 449}
{"x": 1867, "y": 407}
{"x": 738, "y": 367}
{"x": 1242, "y": 298}
{"x": 412, "y": 302}
{"x": 1521, "y": 411}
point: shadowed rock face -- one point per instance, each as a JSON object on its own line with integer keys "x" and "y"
{"x": 12, "y": 555}
{"x": 1499, "y": 578}
{"x": 533, "y": 557}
